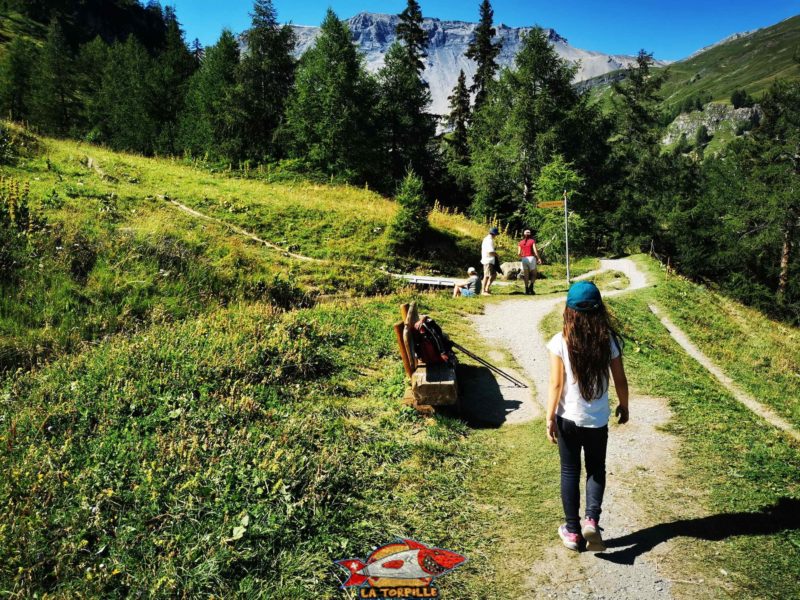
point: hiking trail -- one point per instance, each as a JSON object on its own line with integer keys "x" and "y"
{"x": 641, "y": 459}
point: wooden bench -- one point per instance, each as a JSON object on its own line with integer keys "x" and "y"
{"x": 431, "y": 385}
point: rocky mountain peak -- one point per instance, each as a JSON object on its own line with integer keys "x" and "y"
{"x": 447, "y": 45}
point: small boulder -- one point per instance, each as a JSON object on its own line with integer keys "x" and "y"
{"x": 511, "y": 270}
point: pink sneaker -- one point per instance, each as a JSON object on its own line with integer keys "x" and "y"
{"x": 590, "y": 530}
{"x": 570, "y": 540}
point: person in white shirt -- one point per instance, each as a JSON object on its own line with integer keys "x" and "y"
{"x": 581, "y": 356}
{"x": 488, "y": 260}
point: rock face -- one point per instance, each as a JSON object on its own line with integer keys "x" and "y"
{"x": 715, "y": 117}
{"x": 511, "y": 270}
{"x": 447, "y": 45}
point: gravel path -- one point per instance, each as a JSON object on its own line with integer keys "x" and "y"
{"x": 640, "y": 457}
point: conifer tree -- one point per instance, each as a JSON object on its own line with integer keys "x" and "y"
{"x": 197, "y": 51}
{"x": 412, "y": 35}
{"x": 484, "y": 52}
{"x": 53, "y": 83}
{"x": 329, "y": 120}
{"x": 458, "y": 119}
{"x": 16, "y": 71}
{"x": 411, "y": 221}
{"x": 168, "y": 79}
{"x": 122, "y": 118}
{"x": 531, "y": 114}
{"x": 210, "y": 124}
{"x": 266, "y": 73}
{"x": 406, "y": 126}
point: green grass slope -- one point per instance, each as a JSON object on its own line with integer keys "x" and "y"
{"x": 751, "y": 63}
{"x": 113, "y": 255}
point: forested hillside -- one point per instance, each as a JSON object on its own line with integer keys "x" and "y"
{"x": 528, "y": 135}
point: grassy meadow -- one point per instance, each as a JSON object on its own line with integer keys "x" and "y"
{"x": 185, "y": 412}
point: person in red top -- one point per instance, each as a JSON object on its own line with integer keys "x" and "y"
{"x": 529, "y": 256}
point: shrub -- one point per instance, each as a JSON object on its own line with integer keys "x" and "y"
{"x": 411, "y": 221}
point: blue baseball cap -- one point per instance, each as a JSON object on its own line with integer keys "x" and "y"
{"x": 494, "y": 231}
{"x": 584, "y": 296}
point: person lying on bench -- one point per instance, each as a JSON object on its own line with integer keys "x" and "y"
{"x": 468, "y": 287}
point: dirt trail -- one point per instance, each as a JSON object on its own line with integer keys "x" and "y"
{"x": 640, "y": 457}
{"x": 754, "y": 405}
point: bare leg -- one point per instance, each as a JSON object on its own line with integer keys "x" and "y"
{"x": 456, "y": 291}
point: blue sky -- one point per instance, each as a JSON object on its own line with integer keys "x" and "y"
{"x": 671, "y": 29}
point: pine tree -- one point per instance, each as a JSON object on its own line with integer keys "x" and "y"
{"x": 458, "y": 119}
{"x": 411, "y": 221}
{"x": 53, "y": 84}
{"x": 197, "y": 51}
{"x": 406, "y": 126}
{"x": 329, "y": 119}
{"x": 209, "y": 124}
{"x": 167, "y": 80}
{"x": 90, "y": 64}
{"x": 640, "y": 180}
{"x": 484, "y": 52}
{"x": 532, "y": 113}
{"x": 16, "y": 71}
{"x": 412, "y": 35}
{"x": 266, "y": 73}
{"x": 122, "y": 118}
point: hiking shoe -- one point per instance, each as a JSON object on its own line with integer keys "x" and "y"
{"x": 590, "y": 530}
{"x": 570, "y": 540}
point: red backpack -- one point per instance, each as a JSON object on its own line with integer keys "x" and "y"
{"x": 431, "y": 345}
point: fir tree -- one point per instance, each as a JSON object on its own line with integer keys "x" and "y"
{"x": 406, "y": 126}
{"x": 197, "y": 51}
{"x": 532, "y": 113}
{"x": 209, "y": 124}
{"x": 122, "y": 118}
{"x": 16, "y": 72}
{"x": 412, "y": 35}
{"x": 266, "y": 74}
{"x": 411, "y": 221}
{"x": 484, "y": 52}
{"x": 167, "y": 80}
{"x": 53, "y": 84}
{"x": 329, "y": 118}
{"x": 458, "y": 119}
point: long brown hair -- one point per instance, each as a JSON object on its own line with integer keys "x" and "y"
{"x": 588, "y": 336}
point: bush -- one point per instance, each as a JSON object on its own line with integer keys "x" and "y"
{"x": 411, "y": 221}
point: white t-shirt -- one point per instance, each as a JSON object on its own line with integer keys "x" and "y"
{"x": 486, "y": 247}
{"x": 572, "y": 405}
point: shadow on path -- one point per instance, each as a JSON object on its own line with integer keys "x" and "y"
{"x": 482, "y": 402}
{"x": 782, "y": 516}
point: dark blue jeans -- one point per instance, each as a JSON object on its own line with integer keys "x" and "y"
{"x": 593, "y": 441}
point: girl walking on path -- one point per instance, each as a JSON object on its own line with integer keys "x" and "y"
{"x": 578, "y": 409}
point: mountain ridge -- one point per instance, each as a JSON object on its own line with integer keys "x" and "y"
{"x": 447, "y": 44}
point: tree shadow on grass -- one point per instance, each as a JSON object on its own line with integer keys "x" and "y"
{"x": 482, "y": 401}
{"x": 782, "y": 516}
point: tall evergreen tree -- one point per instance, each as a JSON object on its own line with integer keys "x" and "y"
{"x": 122, "y": 118}
{"x": 635, "y": 164}
{"x": 530, "y": 114}
{"x": 168, "y": 79}
{"x": 210, "y": 122}
{"x": 458, "y": 119}
{"x": 16, "y": 72}
{"x": 90, "y": 65}
{"x": 484, "y": 52}
{"x": 406, "y": 126}
{"x": 412, "y": 35}
{"x": 54, "y": 84}
{"x": 329, "y": 119}
{"x": 266, "y": 73}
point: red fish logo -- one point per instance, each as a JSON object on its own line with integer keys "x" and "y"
{"x": 402, "y": 564}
